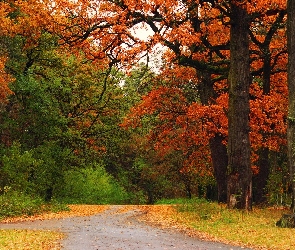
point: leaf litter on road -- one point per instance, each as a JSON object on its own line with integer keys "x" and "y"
{"x": 74, "y": 210}
{"x": 170, "y": 217}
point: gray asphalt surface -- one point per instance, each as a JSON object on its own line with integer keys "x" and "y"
{"x": 117, "y": 231}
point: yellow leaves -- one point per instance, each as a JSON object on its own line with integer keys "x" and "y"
{"x": 208, "y": 221}
{"x": 30, "y": 240}
{"x": 161, "y": 215}
{"x": 255, "y": 230}
{"x": 6, "y": 24}
{"x": 75, "y": 210}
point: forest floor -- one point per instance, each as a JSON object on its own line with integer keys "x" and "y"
{"x": 113, "y": 227}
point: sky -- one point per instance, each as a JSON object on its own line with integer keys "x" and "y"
{"x": 143, "y": 32}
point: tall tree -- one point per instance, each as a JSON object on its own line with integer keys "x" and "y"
{"x": 291, "y": 86}
{"x": 240, "y": 177}
{"x": 269, "y": 48}
{"x": 189, "y": 29}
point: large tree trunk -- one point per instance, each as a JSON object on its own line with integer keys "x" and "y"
{"x": 219, "y": 162}
{"x": 239, "y": 189}
{"x": 217, "y": 148}
{"x": 291, "y": 89}
{"x": 260, "y": 179}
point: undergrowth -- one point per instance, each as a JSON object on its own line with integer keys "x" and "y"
{"x": 13, "y": 203}
{"x": 92, "y": 185}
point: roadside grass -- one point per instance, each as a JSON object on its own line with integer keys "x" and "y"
{"x": 256, "y": 229}
{"x": 13, "y": 204}
{"x": 16, "y": 206}
{"x": 29, "y": 240}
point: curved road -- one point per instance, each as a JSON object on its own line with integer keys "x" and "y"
{"x": 112, "y": 230}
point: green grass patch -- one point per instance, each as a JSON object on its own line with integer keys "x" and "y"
{"x": 255, "y": 229}
{"x": 29, "y": 240}
{"x": 174, "y": 201}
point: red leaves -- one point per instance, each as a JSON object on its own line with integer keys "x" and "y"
{"x": 268, "y": 119}
{"x": 212, "y": 117}
{"x": 4, "y": 81}
{"x": 187, "y": 127}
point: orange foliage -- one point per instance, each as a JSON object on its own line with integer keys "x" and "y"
{"x": 196, "y": 32}
{"x": 268, "y": 116}
{"x": 5, "y": 79}
{"x": 187, "y": 127}
{"x": 181, "y": 126}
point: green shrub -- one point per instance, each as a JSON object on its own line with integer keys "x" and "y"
{"x": 92, "y": 185}
{"x": 13, "y": 203}
{"x": 172, "y": 201}
{"x": 18, "y": 166}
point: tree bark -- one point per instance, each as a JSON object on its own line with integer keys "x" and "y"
{"x": 219, "y": 162}
{"x": 239, "y": 186}
{"x": 260, "y": 180}
{"x": 291, "y": 95}
{"x": 217, "y": 148}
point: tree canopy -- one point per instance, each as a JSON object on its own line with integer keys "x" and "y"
{"x": 71, "y": 81}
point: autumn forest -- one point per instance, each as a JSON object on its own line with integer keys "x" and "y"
{"x": 123, "y": 101}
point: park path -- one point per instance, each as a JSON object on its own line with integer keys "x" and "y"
{"x": 117, "y": 230}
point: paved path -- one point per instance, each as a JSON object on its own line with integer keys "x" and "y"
{"x": 111, "y": 230}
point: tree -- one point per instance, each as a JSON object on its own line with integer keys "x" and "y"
{"x": 5, "y": 79}
{"x": 191, "y": 37}
{"x": 291, "y": 94}
{"x": 176, "y": 135}
{"x": 240, "y": 174}
{"x": 267, "y": 62}
{"x": 102, "y": 33}
{"x": 62, "y": 108}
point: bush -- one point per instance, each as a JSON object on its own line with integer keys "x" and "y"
{"x": 13, "y": 203}
{"x": 92, "y": 185}
{"x": 17, "y": 167}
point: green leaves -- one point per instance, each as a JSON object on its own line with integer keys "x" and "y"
{"x": 91, "y": 185}
{"x": 18, "y": 168}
